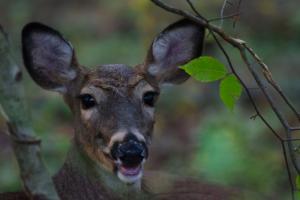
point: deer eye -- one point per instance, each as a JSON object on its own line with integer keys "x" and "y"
{"x": 149, "y": 98}
{"x": 87, "y": 101}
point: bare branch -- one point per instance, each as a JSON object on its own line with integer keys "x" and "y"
{"x": 268, "y": 76}
{"x": 202, "y": 21}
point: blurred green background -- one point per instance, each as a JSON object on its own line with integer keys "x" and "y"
{"x": 195, "y": 134}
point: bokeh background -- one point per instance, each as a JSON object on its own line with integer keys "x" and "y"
{"x": 195, "y": 134}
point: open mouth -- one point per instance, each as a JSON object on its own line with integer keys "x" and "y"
{"x": 130, "y": 174}
{"x": 129, "y": 157}
{"x": 130, "y": 171}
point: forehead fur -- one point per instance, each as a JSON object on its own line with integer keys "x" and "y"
{"x": 116, "y": 75}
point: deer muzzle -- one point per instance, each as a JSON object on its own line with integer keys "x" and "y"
{"x": 129, "y": 157}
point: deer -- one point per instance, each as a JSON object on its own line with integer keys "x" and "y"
{"x": 113, "y": 107}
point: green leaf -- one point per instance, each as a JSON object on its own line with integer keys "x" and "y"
{"x": 205, "y": 69}
{"x": 230, "y": 91}
{"x": 298, "y": 182}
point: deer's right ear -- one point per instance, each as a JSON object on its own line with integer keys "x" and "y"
{"x": 48, "y": 57}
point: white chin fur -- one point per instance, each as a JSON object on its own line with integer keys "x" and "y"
{"x": 130, "y": 179}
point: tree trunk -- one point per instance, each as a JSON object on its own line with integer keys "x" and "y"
{"x": 36, "y": 180}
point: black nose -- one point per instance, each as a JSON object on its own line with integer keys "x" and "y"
{"x": 131, "y": 152}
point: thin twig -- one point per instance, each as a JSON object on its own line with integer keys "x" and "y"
{"x": 195, "y": 10}
{"x": 268, "y": 76}
{"x": 238, "y": 9}
{"x": 264, "y": 90}
{"x": 295, "y": 128}
{"x": 225, "y": 17}
{"x": 288, "y": 171}
{"x": 232, "y": 41}
{"x": 222, "y": 13}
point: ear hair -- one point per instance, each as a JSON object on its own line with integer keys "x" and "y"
{"x": 174, "y": 46}
{"x": 48, "y": 57}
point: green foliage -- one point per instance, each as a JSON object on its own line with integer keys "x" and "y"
{"x": 205, "y": 69}
{"x": 232, "y": 153}
{"x": 8, "y": 173}
{"x": 230, "y": 91}
{"x": 109, "y": 50}
{"x": 209, "y": 69}
{"x": 297, "y": 195}
{"x": 298, "y": 182}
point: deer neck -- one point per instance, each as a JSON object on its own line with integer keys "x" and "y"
{"x": 79, "y": 167}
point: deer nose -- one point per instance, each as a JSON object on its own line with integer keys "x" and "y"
{"x": 131, "y": 152}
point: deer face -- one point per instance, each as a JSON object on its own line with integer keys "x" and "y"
{"x": 113, "y": 105}
{"x": 116, "y": 116}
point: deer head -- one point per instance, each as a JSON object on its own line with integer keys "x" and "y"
{"x": 113, "y": 105}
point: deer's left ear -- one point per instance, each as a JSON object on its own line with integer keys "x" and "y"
{"x": 176, "y": 45}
